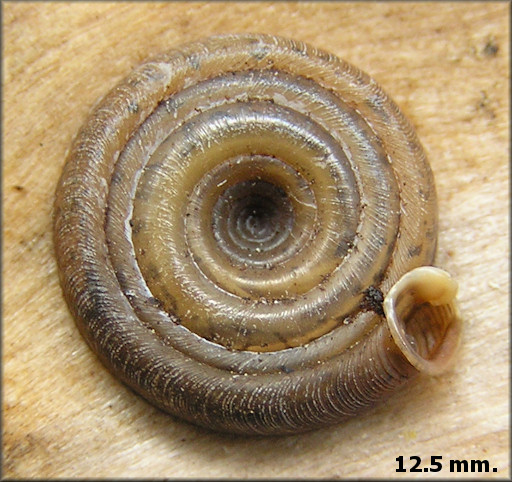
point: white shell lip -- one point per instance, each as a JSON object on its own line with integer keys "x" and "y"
{"x": 435, "y": 288}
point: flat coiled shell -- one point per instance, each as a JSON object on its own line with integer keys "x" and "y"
{"x": 241, "y": 230}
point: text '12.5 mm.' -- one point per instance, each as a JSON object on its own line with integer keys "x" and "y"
{"x": 438, "y": 465}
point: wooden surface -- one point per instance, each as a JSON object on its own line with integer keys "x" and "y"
{"x": 445, "y": 64}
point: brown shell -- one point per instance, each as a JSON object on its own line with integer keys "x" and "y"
{"x": 228, "y": 224}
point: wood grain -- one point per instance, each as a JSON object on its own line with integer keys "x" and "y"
{"x": 445, "y": 64}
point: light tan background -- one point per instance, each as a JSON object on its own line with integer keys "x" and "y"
{"x": 445, "y": 64}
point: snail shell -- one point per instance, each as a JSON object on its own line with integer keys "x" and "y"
{"x": 243, "y": 228}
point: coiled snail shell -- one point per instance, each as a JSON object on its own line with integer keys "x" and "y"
{"x": 243, "y": 229}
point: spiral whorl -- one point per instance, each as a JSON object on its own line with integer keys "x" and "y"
{"x": 227, "y": 224}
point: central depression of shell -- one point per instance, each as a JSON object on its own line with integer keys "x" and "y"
{"x": 249, "y": 224}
